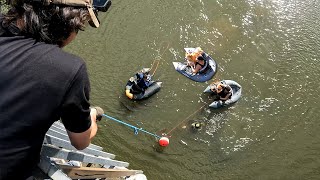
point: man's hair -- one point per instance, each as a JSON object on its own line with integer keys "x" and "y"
{"x": 50, "y": 24}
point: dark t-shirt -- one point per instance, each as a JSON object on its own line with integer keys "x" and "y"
{"x": 39, "y": 84}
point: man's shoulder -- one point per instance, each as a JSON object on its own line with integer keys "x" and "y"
{"x": 39, "y": 50}
{"x": 54, "y": 52}
{"x": 57, "y": 57}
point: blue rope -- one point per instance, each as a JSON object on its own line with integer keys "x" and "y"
{"x": 136, "y": 129}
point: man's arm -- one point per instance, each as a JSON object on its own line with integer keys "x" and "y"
{"x": 82, "y": 140}
{"x": 196, "y": 70}
{"x": 79, "y": 119}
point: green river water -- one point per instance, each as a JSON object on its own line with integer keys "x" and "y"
{"x": 270, "y": 47}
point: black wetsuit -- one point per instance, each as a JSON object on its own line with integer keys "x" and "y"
{"x": 141, "y": 82}
{"x": 139, "y": 86}
{"x": 205, "y": 65}
{"x": 134, "y": 87}
{"x": 225, "y": 91}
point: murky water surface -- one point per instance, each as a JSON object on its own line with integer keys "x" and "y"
{"x": 270, "y": 47}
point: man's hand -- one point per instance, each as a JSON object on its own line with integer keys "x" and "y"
{"x": 99, "y": 113}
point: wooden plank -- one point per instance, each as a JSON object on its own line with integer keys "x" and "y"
{"x": 53, "y": 151}
{"x": 66, "y": 144}
{"x": 92, "y": 173}
{"x": 51, "y": 169}
{"x": 66, "y": 137}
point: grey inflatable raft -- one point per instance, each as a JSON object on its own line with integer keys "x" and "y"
{"x": 236, "y": 94}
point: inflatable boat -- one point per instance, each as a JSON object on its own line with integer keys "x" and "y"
{"x": 134, "y": 91}
{"x": 236, "y": 94}
{"x": 185, "y": 70}
{"x": 151, "y": 90}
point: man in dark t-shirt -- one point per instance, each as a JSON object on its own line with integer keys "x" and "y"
{"x": 40, "y": 83}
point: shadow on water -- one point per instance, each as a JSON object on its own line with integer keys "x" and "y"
{"x": 135, "y": 105}
{"x": 129, "y": 104}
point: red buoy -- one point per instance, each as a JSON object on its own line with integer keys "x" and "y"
{"x": 164, "y": 141}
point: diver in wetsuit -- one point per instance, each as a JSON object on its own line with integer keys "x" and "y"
{"x": 139, "y": 83}
{"x": 223, "y": 92}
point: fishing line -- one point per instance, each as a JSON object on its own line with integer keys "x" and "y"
{"x": 136, "y": 129}
{"x": 185, "y": 119}
{"x": 163, "y": 141}
{"x": 158, "y": 60}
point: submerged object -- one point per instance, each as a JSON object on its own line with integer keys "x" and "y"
{"x": 204, "y": 74}
{"x": 196, "y": 125}
{"x": 236, "y": 94}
